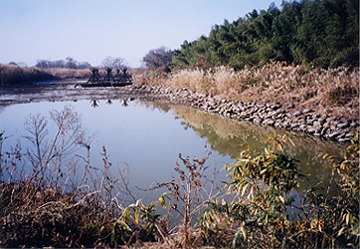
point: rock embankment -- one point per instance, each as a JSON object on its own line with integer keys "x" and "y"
{"x": 270, "y": 114}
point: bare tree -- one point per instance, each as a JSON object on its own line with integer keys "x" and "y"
{"x": 43, "y": 63}
{"x": 158, "y": 58}
{"x": 117, "y": 62}
{"x": 71, "y": 63}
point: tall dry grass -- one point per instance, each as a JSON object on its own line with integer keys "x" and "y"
{"x": 67, "y": 73}
{"x": 328, "y": 91}
{"x": 15, "y": 75}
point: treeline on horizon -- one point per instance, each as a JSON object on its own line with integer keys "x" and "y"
{"x": 315, "y": 33}
{"x": 69, "y": 63}
{"x": 320, "y": 33}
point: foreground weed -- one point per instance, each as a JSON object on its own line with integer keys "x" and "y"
{"x": 187, "y": 196}
{"x": 47, "y": 205}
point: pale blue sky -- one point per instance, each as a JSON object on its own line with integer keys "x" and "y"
{"x": 90, "y": 30}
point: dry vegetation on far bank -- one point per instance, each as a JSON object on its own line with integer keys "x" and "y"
{"x": 11, "y": 75}
{"x": 68, "y": 73}
{"x": 333, "y": 92}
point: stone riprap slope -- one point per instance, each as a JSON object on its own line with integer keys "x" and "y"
{"x": 270, "y": 114}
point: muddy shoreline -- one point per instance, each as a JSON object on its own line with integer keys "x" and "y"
{"x": 61, "y": 91}
{"x": 270, "y": 114}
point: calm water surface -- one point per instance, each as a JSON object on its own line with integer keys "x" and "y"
{"x": 145, "y": 138}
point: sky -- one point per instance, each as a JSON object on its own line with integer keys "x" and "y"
{"x": 91, "y": 30}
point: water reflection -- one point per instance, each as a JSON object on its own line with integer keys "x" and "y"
{"x": 94, "y": 103}
{"x": 145, "y": 138}
{"x": 148, "y": 136}
{"x": 124, "y": 102}
{"x": 230, "y": 137}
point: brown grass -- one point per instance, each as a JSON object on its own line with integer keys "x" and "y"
{"x": 332, "y": 92}
{"x": 15, "y": 75}
{"x": 66, "y": 73}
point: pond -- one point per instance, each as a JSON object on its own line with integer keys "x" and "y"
{"x": 143, "y": 140}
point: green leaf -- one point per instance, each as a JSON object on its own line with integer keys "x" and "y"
{"x": 162, "y": 201}
{"x": 136, "y": 214}
{"x": 123, "y": 225}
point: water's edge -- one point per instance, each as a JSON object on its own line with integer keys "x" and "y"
{"x": 271, "y": 114}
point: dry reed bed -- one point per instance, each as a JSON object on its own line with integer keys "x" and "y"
{"x": 331, "y": 92}
{"x": 66, "y": 73}
{"x": 15, "y": 75}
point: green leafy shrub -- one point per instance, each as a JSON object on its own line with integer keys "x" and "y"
{"x": 264, "y": 209}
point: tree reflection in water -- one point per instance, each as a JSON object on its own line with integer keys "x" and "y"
{"x": 94, "y": 103}
{"x": 123, "y": 101}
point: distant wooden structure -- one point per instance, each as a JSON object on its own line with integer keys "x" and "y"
{"x": 95, "y": 77}
{"x": 121, "y": 78}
